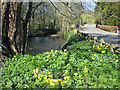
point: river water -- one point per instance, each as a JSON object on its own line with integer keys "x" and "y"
{"x": 38, "y": 45}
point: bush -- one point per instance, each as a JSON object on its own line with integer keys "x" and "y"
{"x": 81, "y": 65}
{"x": 70, "y": 33}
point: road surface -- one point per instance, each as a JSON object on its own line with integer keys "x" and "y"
{"x": 108, "y": 37}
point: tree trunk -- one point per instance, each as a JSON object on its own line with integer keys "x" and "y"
{"x": 6, "y": 49}
{"x": 11, "y": 27}
{"x": 25, "y": 37}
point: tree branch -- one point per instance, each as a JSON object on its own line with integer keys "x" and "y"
{"x": 35, "y": 7}
{"x": 59, "y": 11}
{"x": 69, "y": 8}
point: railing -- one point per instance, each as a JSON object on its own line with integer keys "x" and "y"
{"x": 113, "y": 48}
{"x": 107, "y": 28}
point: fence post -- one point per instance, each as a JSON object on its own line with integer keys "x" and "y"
{"x": 118, "y": 30}
{"x": 95, "y": 38}
{"x": 112, "y": 46}
{"x": 101, "y": 41}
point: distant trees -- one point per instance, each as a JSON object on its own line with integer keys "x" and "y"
{"x": 107, "y": 13}
{"x": 88, "y": 18}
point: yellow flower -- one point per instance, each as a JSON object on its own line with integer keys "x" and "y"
{"x": 65, "y": 78}
{"x": 48, "y": 56}
{"x": 34, "y": 70}
{"x": 45, "y": 78}
{"x": 98, "y": 48}
{"x": 47, "y": 81}
{"x": 103, "y": 51}
{"x": 62, "y": 84}
{"x": 55, "y": 50}
{"x": 47, "y": 52}
{"x": 86, "y": 70}
{"x": 53, "y": 55}
{"x": 105, "y": 48}
{"x": 61, "y": 51}
{"x": 49, "y": 73}
{"x": 93, "y": 58}
{"x": 51, "y": 80}
{"x": 68, "y": 77}
{"x": 93, "y": 46}
{"x": 59, "y": 80}
{"x": 52, "y": 84}
{"x": 89, "y": 50}
{"x": 91, "y": 40}
{"x": 43, "y": 71}
{"x": 58, "y": 73}
{"x": 75, "y": 74}
{"x": 110, "y": 61}
{"x": 65, "y": 81}
{"x": 63, "y": 74}
{"x": 94, "y": 54}
{"x": 116, "y": 50}
{"x": 116, "y": 61}
{"x": 51, "y": 76}
{"x": 37, "y": 70}
{"x": 66, "y": 71}
{"x": 39, "y": 78}
{"x": 65, "y": 50}
{"x": 79, "y": 76}
{"x": 51, "y": 50}
{"x": 40, "y": 75}
{"x": 85, "y": 75}
{"x": 101, "y": 60}
{"x": 35, "y": 74}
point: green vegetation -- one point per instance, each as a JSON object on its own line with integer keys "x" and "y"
{"x": 81, "y": 64}
{"x": 70, "y": 33}
{"x": 107, "y": 13}
{"x": 88, "y": 19}
{"x": 38, "y": 33}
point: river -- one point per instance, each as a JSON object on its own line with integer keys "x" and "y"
{"x": 38, "y": 45}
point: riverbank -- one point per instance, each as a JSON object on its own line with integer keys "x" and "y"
{"x": 81, "y": 64}
{"x": 39, "y": 33}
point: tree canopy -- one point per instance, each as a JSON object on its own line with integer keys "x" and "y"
{"x": 107, "y": 13}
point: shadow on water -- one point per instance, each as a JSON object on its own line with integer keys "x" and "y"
{"x": 38, "y": 45}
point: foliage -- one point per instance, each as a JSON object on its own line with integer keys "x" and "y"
{"x": 107, "y": 13}
{"x": 70, "y": 33}
{"x": 88, "y": 19}
{"x": 81, "y": 65}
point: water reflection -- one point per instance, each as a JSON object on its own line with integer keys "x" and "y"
{"x": 38, "y": 45}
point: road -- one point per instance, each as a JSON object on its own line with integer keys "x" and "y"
{"x": 108, "y": 37}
